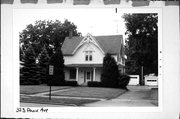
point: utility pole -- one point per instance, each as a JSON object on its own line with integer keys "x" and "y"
{"x": 142, "y": 75}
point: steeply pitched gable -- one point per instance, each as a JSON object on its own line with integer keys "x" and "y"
{"x": 109, "y": 44}
{"x": 70, "y": 44}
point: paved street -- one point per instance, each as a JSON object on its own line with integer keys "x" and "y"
{"x": 136, "y": 96}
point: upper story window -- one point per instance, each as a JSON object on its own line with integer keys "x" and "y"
{"x": 88, "y": 56}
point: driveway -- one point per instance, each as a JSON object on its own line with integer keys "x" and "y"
{"x": 136, "y": 96}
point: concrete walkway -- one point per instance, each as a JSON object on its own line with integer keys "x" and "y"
{"x": 136, "y": 96}
{"x": 40, "y": 105}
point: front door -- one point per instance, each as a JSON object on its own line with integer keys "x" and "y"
{"x": 88, "y": 76}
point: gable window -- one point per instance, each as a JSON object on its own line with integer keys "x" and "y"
{"x": 88, "y": 56}
{"x": 72, "y": 74}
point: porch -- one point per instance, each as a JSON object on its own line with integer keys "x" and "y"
{"x": 83, "y": 73}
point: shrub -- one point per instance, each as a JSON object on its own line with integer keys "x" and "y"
{"x": 71, "y": 83}
{"x": 54, "y": 82}
{"x": 27, "y": 82}
{"x": 124, "y": 81}
{"x": 94, "y": 84}
{"x": 110, "y": 73}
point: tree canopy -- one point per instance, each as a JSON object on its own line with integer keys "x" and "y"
{"x": 142, "y": 43}
{"x": 39, "y": 42}
{"x": 46, "y": 33}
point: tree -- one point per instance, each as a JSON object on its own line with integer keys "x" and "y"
{"x": 142, "y": 43}
{"x": 29, "y": 71}
{"x": 49, "y": 33}
{"x": 43, "y": 38}
{"x": 58, "y": 62}
{"x": 110, "y": 73}
{"x": 43, "y": 65}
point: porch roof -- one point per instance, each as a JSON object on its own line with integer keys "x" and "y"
{"x": 84, "y": 65}
{"x": 87, "y": 65}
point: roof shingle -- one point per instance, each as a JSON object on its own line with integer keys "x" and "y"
{"x": 110, "y": 44}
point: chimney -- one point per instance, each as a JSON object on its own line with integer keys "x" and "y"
{"x": 70, "y": 33}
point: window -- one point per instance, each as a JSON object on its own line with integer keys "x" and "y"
{"x": 88, "y": 56}
{"x": 72, "y": 74}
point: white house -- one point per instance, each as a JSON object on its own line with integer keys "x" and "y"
{"x": 84, "y": 56}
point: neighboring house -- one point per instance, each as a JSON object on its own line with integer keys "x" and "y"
{"x": 83, "y": 56}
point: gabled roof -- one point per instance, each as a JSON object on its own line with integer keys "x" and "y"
{"x": 70, "y": 44}
{"x": 109, "y": 44}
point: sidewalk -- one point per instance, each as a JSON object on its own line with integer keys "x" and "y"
{"x": 39, "y": 105}
{"x": 136, "y": 96}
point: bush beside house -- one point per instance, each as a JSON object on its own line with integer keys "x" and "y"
{"x": 110, "y": 76}
{"x": 71, "y": 83}
{"x": 123, "y": 81}
{"x": 94, "y": 84}
{"x": 110, "y": 72}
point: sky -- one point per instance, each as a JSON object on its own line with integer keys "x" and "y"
{"x": 94, "y": 21}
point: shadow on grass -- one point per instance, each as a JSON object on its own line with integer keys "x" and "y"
{"x": 57, "y": 101}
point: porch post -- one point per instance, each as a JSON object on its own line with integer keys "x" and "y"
{"x": 77, "y": 71}
{"x": 94, "y": 74}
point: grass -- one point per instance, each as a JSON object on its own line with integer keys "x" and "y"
{"x": 91, "y": 92}
{"x": 33, "y": 89}
{"x": 86, "y": 92}
{"x": 56, "y": 101}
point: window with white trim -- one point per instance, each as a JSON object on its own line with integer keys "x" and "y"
{"x": 88, "y": 56}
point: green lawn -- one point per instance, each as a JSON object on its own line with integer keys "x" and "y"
{"x": 56, "y": 101}
{"x": 33, "y": 89}
{"x": 91, "y": 92}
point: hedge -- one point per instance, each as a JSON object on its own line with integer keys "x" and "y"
{"x": 94, "y": 84}
{"x": 124, "y": 81}
{"x": 65, "y": 83}
{"x": 71, "y": 83}
{"x": 32, "y": 82}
